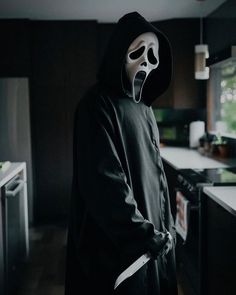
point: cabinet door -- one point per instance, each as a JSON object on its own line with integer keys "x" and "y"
{"x": 220, "y": 258}
{"x": 64, "y": 66}
{"x": 15, "y": 48}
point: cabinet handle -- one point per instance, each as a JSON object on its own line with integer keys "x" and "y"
{"x": 13, "y": 193}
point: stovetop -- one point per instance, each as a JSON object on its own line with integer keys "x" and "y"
{"x": 214, "y": 176}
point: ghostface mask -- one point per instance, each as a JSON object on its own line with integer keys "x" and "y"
{"x": 141, "y": 58}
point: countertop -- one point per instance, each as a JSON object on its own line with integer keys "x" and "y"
{"x": 224, "y": 196}
{"x": 11, "y": 171}
{"x": 187, "y": 158}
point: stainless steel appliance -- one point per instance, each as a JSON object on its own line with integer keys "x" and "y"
{"x": 191, "y": 252}
{"x": 15, "y": 230}
{"x": 15, "y": 131}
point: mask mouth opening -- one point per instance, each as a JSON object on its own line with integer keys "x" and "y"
{"x": 137, "y": 86}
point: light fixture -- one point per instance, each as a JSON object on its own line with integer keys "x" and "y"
{"x": 201, "y": 54}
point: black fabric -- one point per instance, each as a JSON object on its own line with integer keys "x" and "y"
{"x": 120, "y": 201}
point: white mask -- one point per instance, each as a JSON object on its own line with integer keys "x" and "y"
{"x": 141, "y": 58}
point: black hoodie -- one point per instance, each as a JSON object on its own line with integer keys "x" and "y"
{"x": 120, "y": 201}
{"x": 109, "y": 76}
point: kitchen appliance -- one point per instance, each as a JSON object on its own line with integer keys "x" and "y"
{"x": 14, "y": 221}
{"x": 173, "y": 124}
{"x": 196, "y": 131}
{"x": 15, "y": 132}
{"x": 191, "y": 252}
{"x": 174, "y": 134}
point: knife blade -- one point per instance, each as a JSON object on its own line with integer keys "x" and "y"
{"x": 135, "y": 266}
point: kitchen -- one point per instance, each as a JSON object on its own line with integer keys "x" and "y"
{"x": 49, "y": 51}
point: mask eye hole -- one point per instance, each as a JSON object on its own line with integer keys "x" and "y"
{"x": 151, "y": 57}
{"x": 137, "y": 53}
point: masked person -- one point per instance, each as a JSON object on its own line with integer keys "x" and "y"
{"x": 120, "y": 205}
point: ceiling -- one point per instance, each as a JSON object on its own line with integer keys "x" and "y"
{"x": 105, "y": 10}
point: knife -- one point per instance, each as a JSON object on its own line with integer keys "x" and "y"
{"x": 135, "y": 266}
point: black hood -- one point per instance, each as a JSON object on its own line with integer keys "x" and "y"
{"x": 129, "y": 27}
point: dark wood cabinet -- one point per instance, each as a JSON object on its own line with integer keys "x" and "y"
{"x": 222, "y": 21}
{"x": 220, "y": 258}
{"x": 64, "y": 62}
{"x": 15, "y": 48}
{"x": 184, "y": 91}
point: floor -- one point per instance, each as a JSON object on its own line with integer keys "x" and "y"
{"x": 45, "y": 270}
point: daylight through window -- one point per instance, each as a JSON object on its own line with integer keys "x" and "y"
{"x": 224, "y": 98}
{"x": 228, "y": 98}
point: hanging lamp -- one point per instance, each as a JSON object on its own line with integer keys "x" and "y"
{"x": 201, "y": 54}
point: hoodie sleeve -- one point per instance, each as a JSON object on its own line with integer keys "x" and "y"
{"x": 103, "y": 184}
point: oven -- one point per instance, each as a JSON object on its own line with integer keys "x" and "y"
{"x": 190, "y": 250}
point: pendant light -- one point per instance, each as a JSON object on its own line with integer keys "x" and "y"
{"x": 201, "y": 54}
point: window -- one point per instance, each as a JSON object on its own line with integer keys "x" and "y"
{"x": 222, "y": 104}
{"x": 228, "y": 98}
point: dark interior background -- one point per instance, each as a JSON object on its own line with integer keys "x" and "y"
{"x": 61, "y": 59}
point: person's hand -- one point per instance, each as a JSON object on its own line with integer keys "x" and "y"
{"x": 158, "y": 243}
{"x": 168, "y": 246}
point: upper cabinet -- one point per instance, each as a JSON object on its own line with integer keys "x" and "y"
{"x": 184, "y": 91}
{"x": 15, "y": 48}
{"x": 219, "y": 28}
{"x": 64, "y": 64}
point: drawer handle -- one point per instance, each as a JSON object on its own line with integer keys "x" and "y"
{"x": 17, "y": 189}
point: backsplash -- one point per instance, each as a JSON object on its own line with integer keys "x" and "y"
{"x": 173, "y": 124}
{"x": 168, "y": 115}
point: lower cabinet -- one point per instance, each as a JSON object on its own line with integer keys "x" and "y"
{"x": 220, "y": 263}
